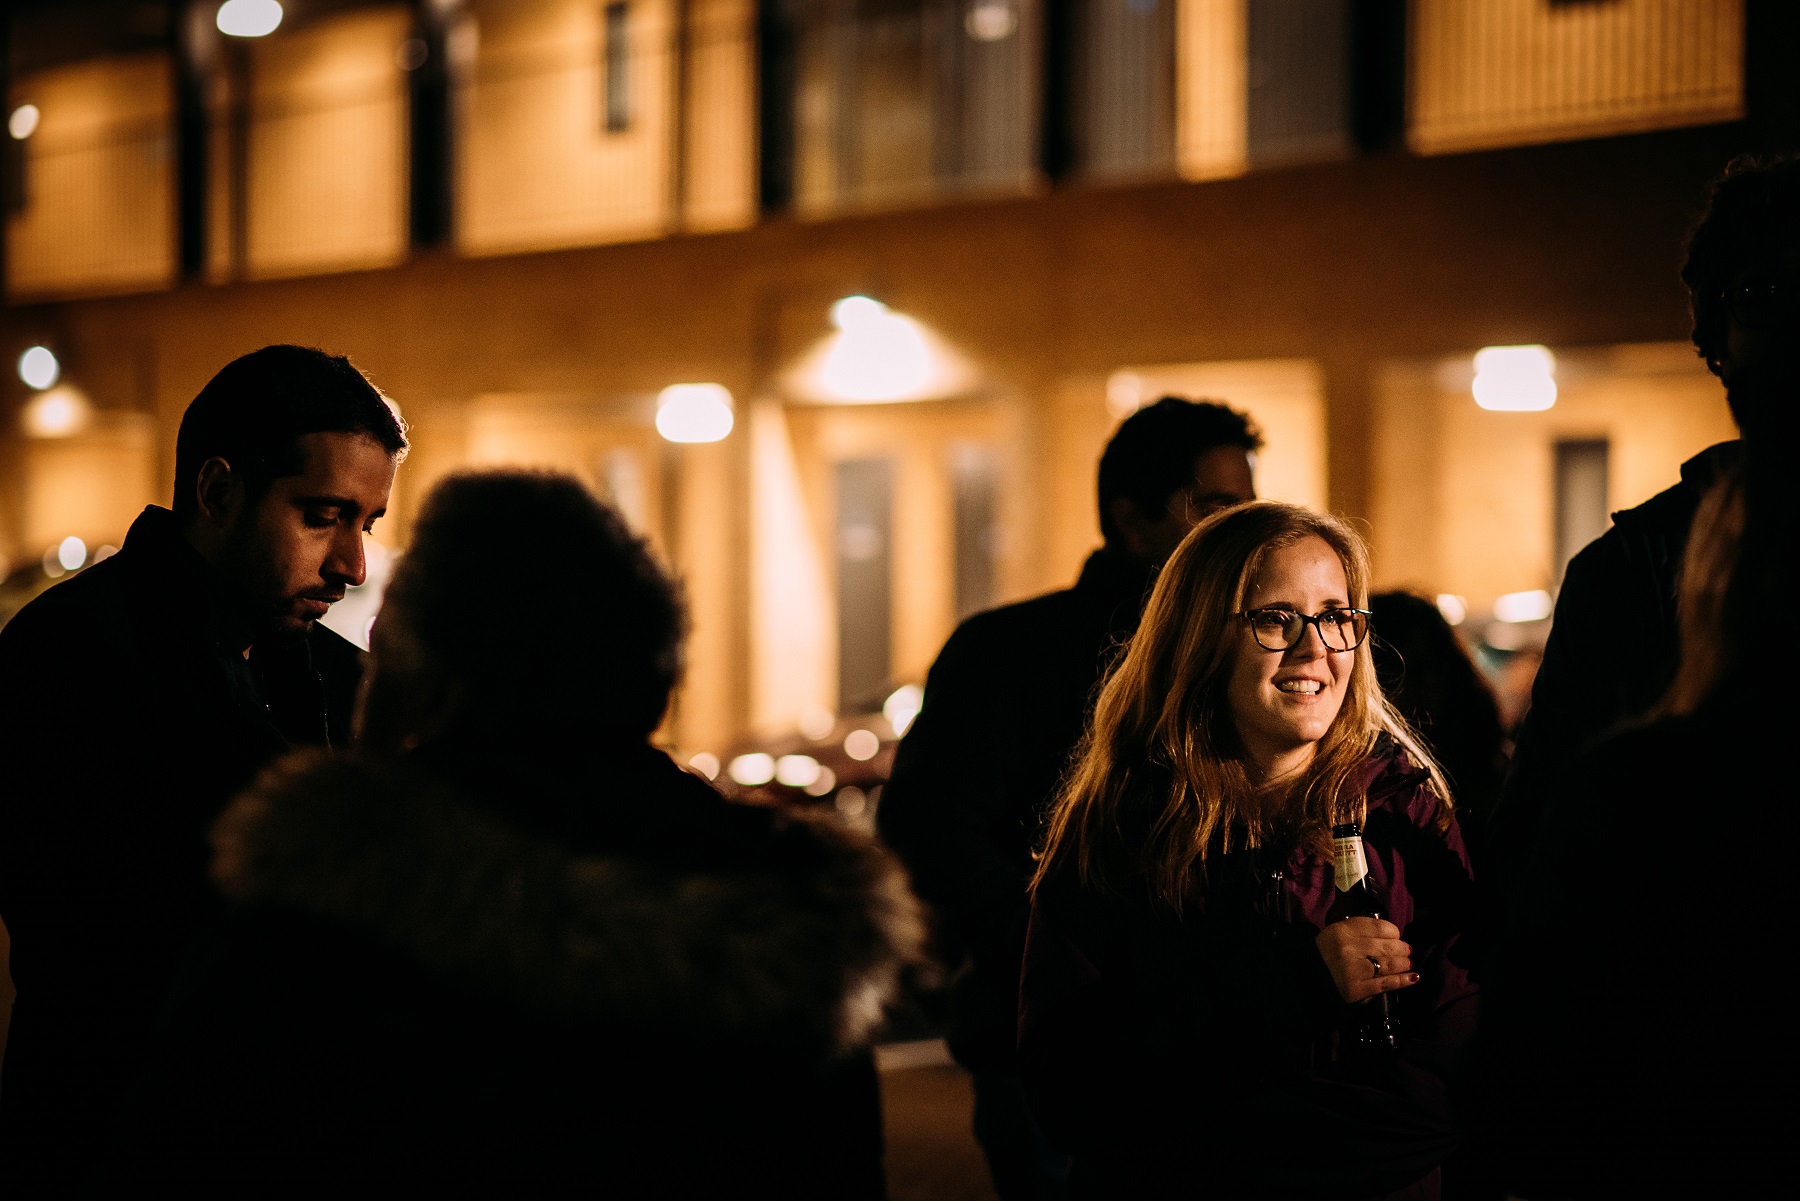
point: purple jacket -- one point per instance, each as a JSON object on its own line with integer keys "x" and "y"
{"x": 1202, "y": 1054}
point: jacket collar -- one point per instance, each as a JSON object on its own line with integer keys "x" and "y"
{"x": 1706, "y": 468}
{"x": 185, "y": 589}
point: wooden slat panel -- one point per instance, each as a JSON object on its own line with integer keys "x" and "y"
{"x": 1488, "y": 73}
{"x": 99, "y": 212}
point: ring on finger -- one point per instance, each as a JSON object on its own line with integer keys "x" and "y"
{"x": 1376, "y": 964}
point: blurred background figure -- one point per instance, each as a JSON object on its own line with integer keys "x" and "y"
{"x": 1614, "y": 642}
{"x": 1004, "y": 706}
{"x": 138, "y": 697}
{"x": 512, "y": 949}
{"x": 1428, "y": 675}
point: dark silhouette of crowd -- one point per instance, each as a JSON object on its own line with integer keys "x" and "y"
{"x": 1238, "y": 889}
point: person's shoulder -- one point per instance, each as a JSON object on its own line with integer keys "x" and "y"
{"x": 81, "y": 611}
{"x": 1671, "y": 512}
{"x": 1025, "y": 625}
{"x": 1399, "y": 783}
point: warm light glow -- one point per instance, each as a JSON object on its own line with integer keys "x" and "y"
{"x": 991, "y": 20}
{"x": 105, "y": 553}
{"x": 57, "y": 413}
{"x": 1514, "y": 379}
{"x": 878, "y": 354}
{"x": 901, "y": 706}
{"x": 706, "y": 763}
{"x": 1124, "y": 394}
{"x": 71, "y": 552}
{"x": 817, "y": 723}
{"x": 1523, "y": 606}
{"x": 1454, "y": 608}
{"x": 249, "y": 18}
{"x": 852, "y": 801}
{"x": 797, "y": 771}
{"x": 23, "y": 122}
{"x": 39, "y": 368}
{"x": 752, "y": 769}
{"x": 694, "y": 413}
{"x": 52, "y": 567}
{"x": 823, "y": 783}
{"x": 862, "y": 745}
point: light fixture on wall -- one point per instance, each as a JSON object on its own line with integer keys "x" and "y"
{"x": 56, "y": 413}
{"x": 39, "y": 368}
{"x": 694, "y": 413}
{"x": 878, "y": 354}
{"x": 1516, "y": 607}
{"x": 1514, "y": 379}
{"x": 249, "y": 18}
{"x": 23, "y": 122}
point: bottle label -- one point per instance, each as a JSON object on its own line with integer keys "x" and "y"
{"x": 1347, "y": 859}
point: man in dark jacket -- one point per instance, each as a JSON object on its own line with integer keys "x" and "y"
{"x": 136, "y": 698}
{"x": 1005, "y": 705}
{"x": 1614, "y": 645}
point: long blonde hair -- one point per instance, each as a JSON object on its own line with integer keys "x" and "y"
{"x": 1160, "y": 780}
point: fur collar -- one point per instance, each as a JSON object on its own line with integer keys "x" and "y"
{"x": 803, "y": 945}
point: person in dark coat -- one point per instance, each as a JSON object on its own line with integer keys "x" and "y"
{"x": 509, "y": 948}
{"x": 1640, "y": 1039}
{"x": 1003, "y": 709}
{"x": 1195, "y": 1014}
{"x": 137, "y": 697}
{"x": 1613, "y": 642}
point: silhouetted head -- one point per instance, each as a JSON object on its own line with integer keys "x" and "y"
{"x": 1743, "y": 275}
{"x": 1169, "y": 466}
{"x": 282, "y": 464}
{"x": 1430, "y": 678}
{"x": 524, "y": 612}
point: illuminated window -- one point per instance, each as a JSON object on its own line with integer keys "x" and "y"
{"x": 617, "y": 49}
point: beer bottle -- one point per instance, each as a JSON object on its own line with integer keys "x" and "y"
{"x": 1375, "y": 1026}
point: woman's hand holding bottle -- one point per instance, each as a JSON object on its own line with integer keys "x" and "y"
{"x": 1366, "y": 957}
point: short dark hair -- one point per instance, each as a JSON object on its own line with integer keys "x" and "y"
{"x": 583, "y": 640}
{"x": 1754, "y": 203}
{"x": 254, "y": 411}
{"x": 1151, "y": 456}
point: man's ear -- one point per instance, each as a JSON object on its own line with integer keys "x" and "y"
{"x": 218, "y": 493}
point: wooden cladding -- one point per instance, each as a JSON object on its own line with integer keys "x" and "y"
{"x": 1488, "y": 73}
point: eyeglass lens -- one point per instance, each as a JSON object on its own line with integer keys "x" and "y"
{"x": 1282, "y": 629}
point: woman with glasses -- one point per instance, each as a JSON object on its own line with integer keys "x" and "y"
{"x": 1210, "y": 1006}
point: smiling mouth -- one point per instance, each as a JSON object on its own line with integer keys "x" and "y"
{"x": 1301, "y": 687}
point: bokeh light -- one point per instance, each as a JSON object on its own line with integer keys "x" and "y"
{"x": 39, "y": 368}
{"x": 752, "y": 769}
{"x": 56, "y": 413}
{"x": 862, "y": 745}
{"x": 23, "y": 122}
{"x": 796, "y": 771}
{"x": 249, "y": 18}
{"x": 71, "y": 552}
{"x": 1454, "y": 608}
{"x": 1514, "y": 379}
{"x": 706, "y": 763}
{"x": 1534, "y": 605}
{"x": 694, "y": 413}
{"x": 901, "y": 706}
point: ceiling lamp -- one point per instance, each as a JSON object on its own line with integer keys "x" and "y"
{"x": 1514, "y": 379}
{"x": 249, "y": 18}
{"x": 694, "y": 413}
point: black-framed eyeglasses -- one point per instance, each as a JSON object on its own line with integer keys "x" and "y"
{"x": 1283, "y": 629}
{"x": 1763, "y": 304}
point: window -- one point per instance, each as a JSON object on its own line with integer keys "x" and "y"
{"x": 617, "y": 48}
